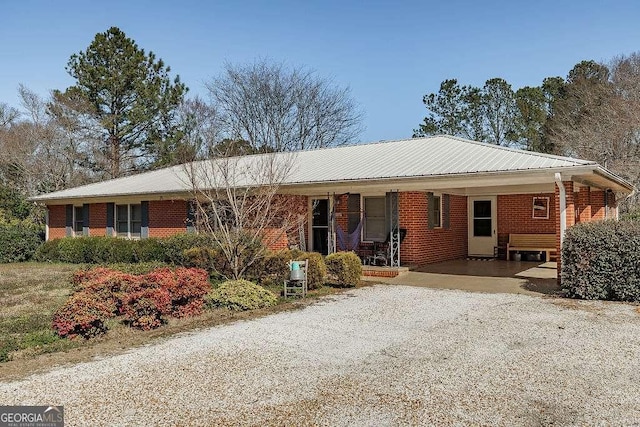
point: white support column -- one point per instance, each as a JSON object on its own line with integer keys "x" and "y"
{"x": 563, "y": 206}
{"x": 46, "y": 223}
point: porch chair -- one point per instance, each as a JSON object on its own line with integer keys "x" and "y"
{"x": 382, "y": 254}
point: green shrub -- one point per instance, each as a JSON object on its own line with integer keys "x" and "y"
{"x": 200, "y": 257}
{"x": 240, "y": 295}
{"x": 19, "y": 242}
{"x": 149, "y": 250}
{"x": 601, "y": 260}
{"x": 175, "y": 246}
{"x": 345, "y": 268}
{"x": 73, "y": 251}
{"x": 271, "y": 270}
{"x": 48, "y": 251}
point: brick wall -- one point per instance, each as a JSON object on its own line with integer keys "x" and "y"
{"x": 167, "y": 217}
{"x": 57, "y": 219}
{"x": 423, "y": 246}
{"x": 598, "y": 209}
{"x": 515, "y": 215}
{"x": 98, "y": 219}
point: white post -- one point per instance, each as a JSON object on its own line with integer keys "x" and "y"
{"x": 563, "y": 207}
{"x": 46, "y": 224}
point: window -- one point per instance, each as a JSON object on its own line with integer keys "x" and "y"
{"x": 437, "y": 211}
{"x": 482, "y": 220}
{"x": 375, "y": 220}
{"x": 128, "y": 220}
{"x": 78, "y": 220}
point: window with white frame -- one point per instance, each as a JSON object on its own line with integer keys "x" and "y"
{"x": 128, "y": 220}
{"x": 375, "y": 220}
{"x": 437, "y": 211}
{"x": 78, "y": 220}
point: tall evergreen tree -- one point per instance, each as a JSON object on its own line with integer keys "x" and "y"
{"x": 128, "y": 98}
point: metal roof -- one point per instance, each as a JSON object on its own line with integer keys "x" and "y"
{"x": 410, "y": 158}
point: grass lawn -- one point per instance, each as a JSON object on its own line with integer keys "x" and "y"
{"x": 32, "y": 292}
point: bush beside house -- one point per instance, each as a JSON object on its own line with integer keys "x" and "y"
{"x": 19, "y": 242}
{"x": 601, "y": 260}
{"x": 344, "y": 268}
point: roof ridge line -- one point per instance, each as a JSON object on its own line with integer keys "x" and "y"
{"x": 520, "y": 151}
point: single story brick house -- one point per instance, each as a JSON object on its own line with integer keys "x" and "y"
{"x": 429, "y": 199}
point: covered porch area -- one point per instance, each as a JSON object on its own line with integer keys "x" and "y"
{"x": 474, "y": 275}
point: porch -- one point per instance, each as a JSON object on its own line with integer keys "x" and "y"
{"x": 491, "y": 276}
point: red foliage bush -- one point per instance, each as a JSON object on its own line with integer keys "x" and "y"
{"x": 146, "y": 309}
{"x": 186, "y": 286}
{"x": 109, "y": 286}
{"x": 81, "y": 277}
{"x": 82, "y": 315}
{"x": 144, "y": 300}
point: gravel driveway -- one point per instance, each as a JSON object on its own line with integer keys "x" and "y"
{"x": 382, "y": 355}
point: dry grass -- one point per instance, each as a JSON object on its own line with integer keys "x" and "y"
{"x": 31, "y": 293}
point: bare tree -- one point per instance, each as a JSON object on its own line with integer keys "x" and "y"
{"x": 277, "y": 108}
{"x": 7, "y": 115}
{"x": 598, "y": 117}
{"x": 200, "y": 127}
{"x": 239, "y": 204}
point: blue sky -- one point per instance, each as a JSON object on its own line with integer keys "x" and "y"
{"x": 390, "y": 53}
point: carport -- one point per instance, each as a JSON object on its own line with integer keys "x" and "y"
{"x": 474, "y": 275}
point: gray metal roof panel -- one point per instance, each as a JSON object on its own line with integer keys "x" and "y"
{"x": 431, "y": 156}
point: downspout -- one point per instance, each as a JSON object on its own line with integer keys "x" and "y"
{"x": 563, "y": 207}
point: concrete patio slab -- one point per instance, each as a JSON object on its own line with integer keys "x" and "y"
{"x": 489, "y": 276}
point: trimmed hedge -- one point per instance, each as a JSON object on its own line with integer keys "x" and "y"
{"x": 601, "y": 260}
{"x": 109, "y": 250}
{"x": 241, "y": 295}
{"x": 19, "y": 242}
{"x": 345, "y": 268}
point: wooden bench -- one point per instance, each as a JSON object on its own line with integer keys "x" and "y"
{"x": 532, "y": 243}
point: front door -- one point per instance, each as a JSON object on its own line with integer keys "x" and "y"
{"x": 320, "y": 225}
{"x": 482, "y": 226}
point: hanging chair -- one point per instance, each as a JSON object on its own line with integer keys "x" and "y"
{"x": 349, "y": 241}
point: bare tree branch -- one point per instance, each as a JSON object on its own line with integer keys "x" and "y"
{"x": 276, "y": 108}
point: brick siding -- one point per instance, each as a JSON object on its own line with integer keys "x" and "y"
{"x": 57, "y": 219}
{"x": 423, "y": 246}
{"x": 98, "y": 219}
{"x": 167, "y": 217}
{"x": 515, "y": 216}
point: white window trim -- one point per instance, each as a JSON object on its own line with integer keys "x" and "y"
{"x": 115, "y": 216}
